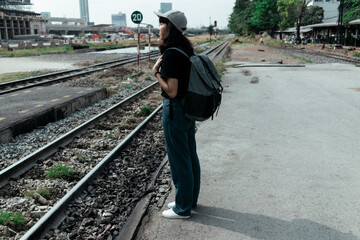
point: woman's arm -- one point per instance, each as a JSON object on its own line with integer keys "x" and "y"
{"x": 170, "y": 85}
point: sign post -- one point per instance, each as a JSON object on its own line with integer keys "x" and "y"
{"x": 149, "y": 44}
{"x": 137, "y": 17}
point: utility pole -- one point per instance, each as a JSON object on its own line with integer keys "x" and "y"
{"x": 209, "y": 29}
{"x": 340, "y": 22}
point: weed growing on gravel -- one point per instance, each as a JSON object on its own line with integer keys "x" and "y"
{"x": 146, "y": 111}
{"x": 42, "y": 191}
{"x": 84, "y": 158}
{"x": 14, "y": 220}
{"x": 111, "y": 91}
{"x": 220, "y": 67}
{"x": 109, "y": 136}
{"x": 60, "y": 171}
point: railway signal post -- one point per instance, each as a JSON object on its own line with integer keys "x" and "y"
{"x": 137, "y": 17}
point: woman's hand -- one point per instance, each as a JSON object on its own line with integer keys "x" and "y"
{"x": 157, "y": 65}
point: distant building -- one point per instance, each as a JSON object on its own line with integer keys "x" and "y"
{"x": 164, "y": 7}
{"x": 45, "y": 15}
{"x": 21, "y": 25}
{"x": 84, "y": 10}
{"x": 118, "y": 19}
{"x": 330, "y": 7}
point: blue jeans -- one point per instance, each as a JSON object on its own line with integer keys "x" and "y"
{"x": 180, "y": 143}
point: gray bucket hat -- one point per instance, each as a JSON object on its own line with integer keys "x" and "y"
{"x": 175, "y": 17}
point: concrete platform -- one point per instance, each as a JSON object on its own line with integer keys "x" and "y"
{"x": 25, "y": 110}
{"x": 280, "y": 162}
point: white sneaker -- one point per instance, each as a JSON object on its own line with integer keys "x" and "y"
{"x": 171, "y": 214}
{"x": 171, "y": 205}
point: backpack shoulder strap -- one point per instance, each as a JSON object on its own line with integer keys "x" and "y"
{"x": 179, "y": 50}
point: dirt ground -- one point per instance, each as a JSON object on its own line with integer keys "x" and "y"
{"x": 259, "y": 53}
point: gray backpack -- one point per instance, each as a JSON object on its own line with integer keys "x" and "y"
{"x": 203, "y": 97}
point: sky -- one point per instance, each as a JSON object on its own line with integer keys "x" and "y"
{"x": 198, "y": 13}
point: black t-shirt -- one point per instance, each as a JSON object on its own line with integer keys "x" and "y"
{"x": 176, "y": 65}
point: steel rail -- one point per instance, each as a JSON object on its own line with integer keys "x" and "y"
{"x": 75, "y": 73}
{"x": 24, "y": 164}
{"x": 29, "y": 161}
{"x": 221, "y": 48}
{"x": 323, "y": 54}
{"x": 54, "y": 215}
{"x": 210, "y": 50}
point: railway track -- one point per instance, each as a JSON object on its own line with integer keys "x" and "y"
{"x": 53, "y": 78}
{"x": 339, "y": 57}
{"x": 87, "y": 151}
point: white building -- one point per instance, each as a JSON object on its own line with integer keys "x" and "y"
{"x": 330, "y": 7}
{"x": 118, "y": 19}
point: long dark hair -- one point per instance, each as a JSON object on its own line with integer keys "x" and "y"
{"x": 174, "y": 39}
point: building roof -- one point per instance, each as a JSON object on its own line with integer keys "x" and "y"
{"x": 354, "y": 22}
{"x": 293, "y": 30}
{"x": 331, "y": 24}
{"x": 9, "y": 11}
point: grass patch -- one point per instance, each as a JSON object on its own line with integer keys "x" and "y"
{"x": 273, "y": 43}
{"x": 149, "y": 76}
{"x": 357, "y": 54}
{"x": 14, "y": 220}
{"x": 146, "y": 111}
{"x": 302, "y": 60}
{"x": 7, "y": 77}
{"x": 220, "y": 67}
{"x": 42, "y": 191}
{"x": 60, "y": 171}
{"x": 35, "y": 51}
{"x": 105, "y": 60}
{"x": 120, "y": 44}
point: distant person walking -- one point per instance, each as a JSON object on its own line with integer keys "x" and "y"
{"x": 172, "y": 70}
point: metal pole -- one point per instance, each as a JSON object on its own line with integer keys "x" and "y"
{"x": 138, "y": 45}
{"x": 149, "y": 44}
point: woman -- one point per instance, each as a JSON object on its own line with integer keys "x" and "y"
{"x": 172, "y": 71}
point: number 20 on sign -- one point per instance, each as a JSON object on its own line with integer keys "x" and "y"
{"x": 136, "y": 17}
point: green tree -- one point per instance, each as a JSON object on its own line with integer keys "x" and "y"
{"x": 287, "y": 13}
{"x": 313, "y": 15}
{"x": 265, "y": 16}
{"x": 351, "y": 10}
{"x": 294, "y": 9}
{"x": 239, "y": 20}
{"x": 210, "y": 30}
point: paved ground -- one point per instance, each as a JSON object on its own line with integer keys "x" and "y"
{"x": 24, "y": 64}
{"x": 280, "y": 162}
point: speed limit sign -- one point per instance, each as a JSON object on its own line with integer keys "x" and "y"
{"x": 136, "y": 17}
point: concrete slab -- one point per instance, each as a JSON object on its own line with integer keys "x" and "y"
{"x": 24, "y": 110}
{"x": 280, "y": 162}
{"x": 28, "y": 64}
